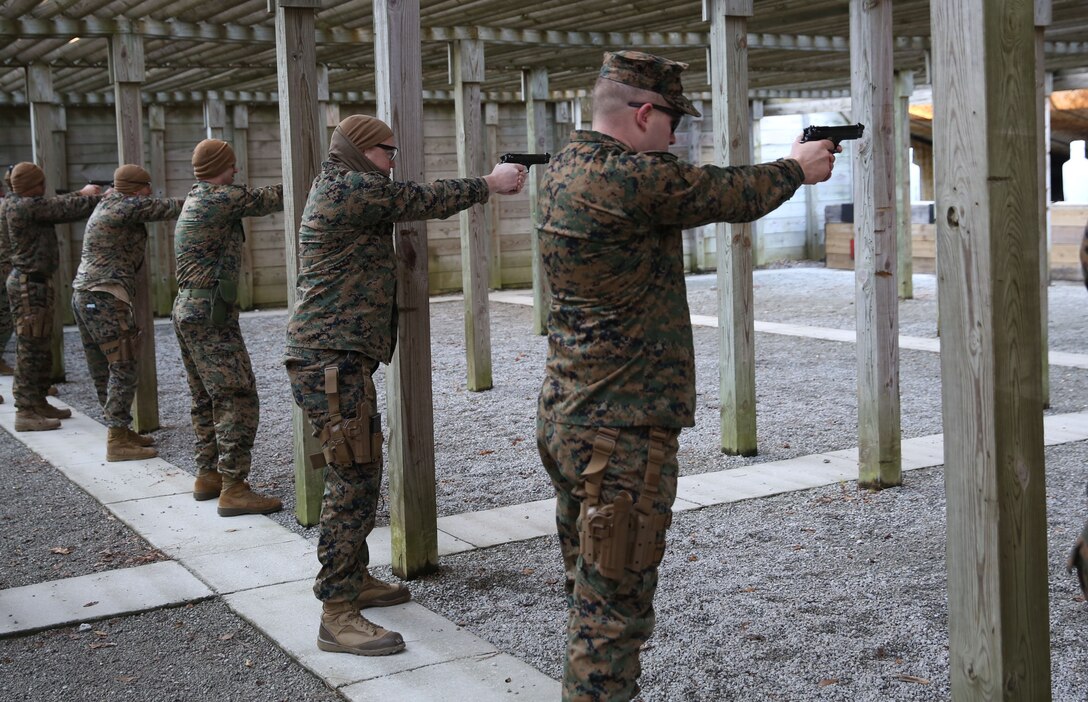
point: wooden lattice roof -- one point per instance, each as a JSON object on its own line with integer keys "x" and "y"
{"x": 195, "y": 49}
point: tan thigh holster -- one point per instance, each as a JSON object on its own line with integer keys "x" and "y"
{"x": 622, "y": 535}
{"x": 33, "y": 322}
{"x": 347, "y": 440}
{"x": 124, "y": 348}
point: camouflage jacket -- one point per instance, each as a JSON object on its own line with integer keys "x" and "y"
{"x": 5, "y": 241}
{"x": 30, "y": 220}
{"x": 347, "y": 280}
{"x": 115, "y": 239}
{"x": 620, "y": 349}
{"x": 208, "y": 236}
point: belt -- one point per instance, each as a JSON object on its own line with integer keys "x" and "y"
{"x": 199, "y": 293}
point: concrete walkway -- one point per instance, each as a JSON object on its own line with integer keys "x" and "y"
{"x": 264, "y": 572}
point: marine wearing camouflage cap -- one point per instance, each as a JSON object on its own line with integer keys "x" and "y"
{"x": 648, "y": 72}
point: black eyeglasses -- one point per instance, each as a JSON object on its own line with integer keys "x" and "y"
{"x": 674, "y": 115}
{"x": 391, "y": 150}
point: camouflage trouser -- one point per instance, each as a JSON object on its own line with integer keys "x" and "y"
{"x": 224, "y": 406}
{"x": 33, "y": 354}
{"x": 350, "y": 501}
{"x": 7, "y": 327}
{"x": 102, "y": 320}
{"x": 607, "y": 620}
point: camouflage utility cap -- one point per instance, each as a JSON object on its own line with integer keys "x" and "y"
{"x": 648, "y": 72}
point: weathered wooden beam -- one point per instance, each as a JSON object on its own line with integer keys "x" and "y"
{"x": 40, "y": 96}
{"x": 215, "y": 118}
{"x": 126, "y": 66}
{"x": 728, "y": 58}
{"x": 535, "y": 92}
{"x": 159, "y": 233}
{"x": 904, "y": 86}
{"x": 468, "y": 72}
{"x": 300, "y": 151}
{"x": 877, "y": 306}
{"x": 64, "y": 231}
{"x": 240, "y": 141}
{"x": 412, "y": 502}
{"x": 988, "y": 264}
{"x": 494, "y": 219}
{"x": 1043, "y": 13}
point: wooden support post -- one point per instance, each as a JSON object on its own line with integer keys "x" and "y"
{"x": 215, "y": 117}
{"x": 468, "y": 73}
{"x": 412, "y": 503}
{"x": 39, "y": 91}
{"x": 64, "y": 231}
{"x": 1043, "y": 14}
{"x": 494, "y": 218}
{"x": 534, "y": 89}
{"x": 755, "y": 127}
{"x": 871, "y": 83}
{"x": 300, "y": 149}
{"x": 126, "y": 61}
{"x": 904, "y": 86}
{"x": 694, "y": 135}
{"x": 330, "y": 111}
{"x": 732, "y": 147}
{"x": 563, "y": 121}
{"x": 984, "y": 98}
{"x": 815, "y": 246}
{"x": 240, "y": 142}
{"x": 159, "y": 240}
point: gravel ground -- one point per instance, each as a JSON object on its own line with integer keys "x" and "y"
{"x": 832, "y": 593}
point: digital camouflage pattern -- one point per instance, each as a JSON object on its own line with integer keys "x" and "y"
{"x": 620, "y": 354}
{"x": 350, "y": 501}
{"x": 208, "y": 246}
{"x": 345, "y": 314}
{"x": 30, "y": 220}
{"x": 608, "y": 621}
{"x": 619, "y": 331}
{"x": 36, "y": 253}
{"x": 7, "y": 327}
{"x": 346, "y": 286}
{"x": 103, "y": 318}
{"x": 209, "y": 235}
{"x": 115, "y": 239}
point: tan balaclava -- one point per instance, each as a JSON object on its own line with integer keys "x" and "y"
{"x": 26, "y": 176}
{"x": 352, "y": 137}
{"x": 130, "y": 179}
{"x": 211, "y": 157}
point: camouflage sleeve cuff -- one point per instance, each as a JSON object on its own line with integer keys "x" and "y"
{"x": 793, "y": 167}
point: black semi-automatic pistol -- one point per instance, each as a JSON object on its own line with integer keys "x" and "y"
{"x": 526, "y": 159}
{"x": 834, "y": 134}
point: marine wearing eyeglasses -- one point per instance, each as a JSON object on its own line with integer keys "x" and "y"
{"x": 619, "y": 382}
{"x": 344, "y": 324}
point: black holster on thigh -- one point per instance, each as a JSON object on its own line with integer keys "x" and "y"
{"x": 347, "y": 440}
{"x": 622, "y": 535}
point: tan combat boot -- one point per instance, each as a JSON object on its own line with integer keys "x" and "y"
{"x": 378, "y": 593}
{"x": 237, "y": 499}
{"x": 47, "y": 410}
{"x": 208, "y": 485}
{"x": 5, "y": 369}
{"x": 140, "y": 439}
{"x": 29, "y": 420}
{"x": 344, "y": 630}
{"x": 119, "y": 448}
{"x": 52, "y": 390}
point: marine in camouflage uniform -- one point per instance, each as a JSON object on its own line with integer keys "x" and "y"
{"x": 35, "y": 256}
{"x": 343, "y": 325}
{"x": 620, "y": 376}
{"x": 104, "y": 292}
{"x": 6, "y": 325}
{"x": 208, "y": 247}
